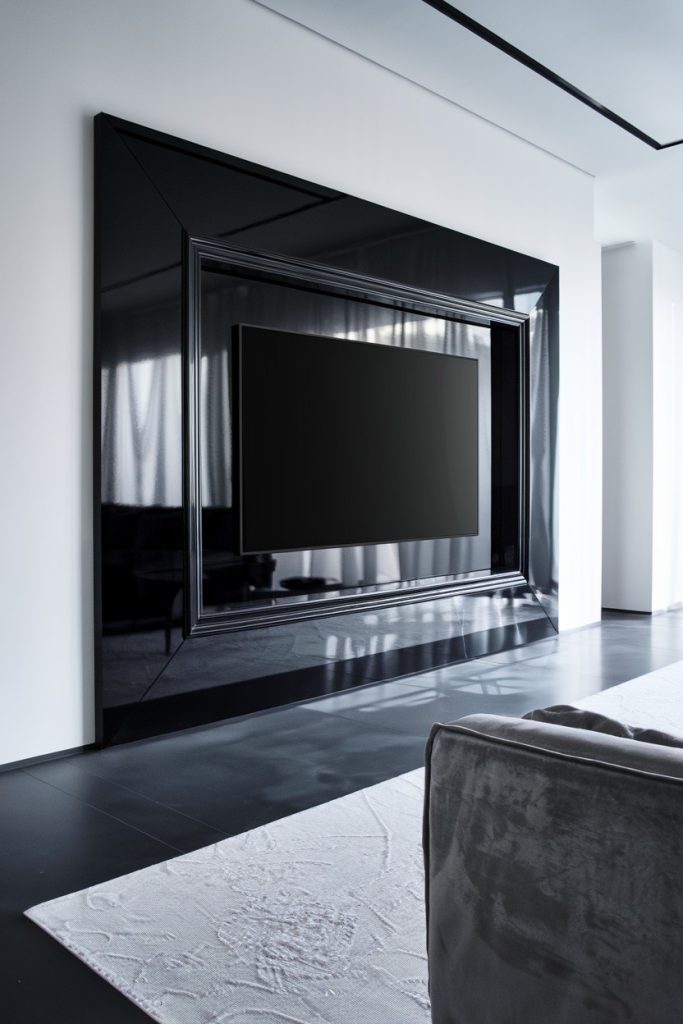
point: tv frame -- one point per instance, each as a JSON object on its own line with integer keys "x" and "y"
{"x": 209, "y": 254}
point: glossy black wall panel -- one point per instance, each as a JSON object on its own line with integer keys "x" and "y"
{"x": 138, "y": 482}
{"x": 223, "y": 197}
{"x": 152, "y": 192}
{"x": 219, "y": 197}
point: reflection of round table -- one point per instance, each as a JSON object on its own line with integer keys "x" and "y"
{"x": 233, "y": 578}
{"x": 162, "y": 586}
{"x": 309, "y": 584}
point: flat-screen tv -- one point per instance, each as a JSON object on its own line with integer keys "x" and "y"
{"x": 340, "y": 442}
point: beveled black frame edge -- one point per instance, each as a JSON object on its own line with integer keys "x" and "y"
{"x": 200, "y": 252}
{"x": 164, "y": 139}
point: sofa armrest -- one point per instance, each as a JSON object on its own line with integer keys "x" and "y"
{"x": 554, "y": 862}
{"x": 601, "y": 747}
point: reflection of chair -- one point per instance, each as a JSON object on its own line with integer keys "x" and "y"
{"x": 228, "y": 577}
{"x": 160, "y": 589}
{"x": 143, "y": 571}
{"x": 141, "y": 548}
{"x": 158, "y": 567}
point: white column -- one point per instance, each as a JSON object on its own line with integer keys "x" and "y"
{"x": 643, "y": 427}
{"x": 627, "y": 426}
{"x": 667, "y": 460}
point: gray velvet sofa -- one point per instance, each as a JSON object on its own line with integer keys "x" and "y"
{"x": 554, "y": 867}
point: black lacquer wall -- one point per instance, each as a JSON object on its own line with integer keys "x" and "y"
{"x": 190, "y": 242}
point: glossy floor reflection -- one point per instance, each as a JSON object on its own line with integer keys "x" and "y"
{"x": 76, "y": 821}
{"x": 227, "y": 675}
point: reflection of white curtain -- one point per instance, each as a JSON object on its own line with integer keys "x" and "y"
{"x": 142, "y": 417}
{"x": 141, "y": 429}
{"x": 215, "y": 434}
{"x": 142, "y": 409}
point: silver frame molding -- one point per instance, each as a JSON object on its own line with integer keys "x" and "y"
{"x": 208, "y": 254}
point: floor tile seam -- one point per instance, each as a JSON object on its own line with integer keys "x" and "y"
{"x": 310, "y": 704}
{"x": 405, "y": 681}
{"x": 107, "y": 814}
{"x": 221, "y": 833}
{"x": 663, "y": 649}
{"x": 366, "y": 726}
{"x": 306, "y": 759}
{"x": 377, "y": 727}
{"x": 461, "y": 663}
{"x": 665, "y": 645}
{"x": 608, "y": 628}
{"x": 624, "y": 673}
{"x": 405, "y": 676}
{"x": 571, "y": 658}
{"x": 385, "y": 727}
{"x": 145, "y": 797}
{"x": 537, "y": 670}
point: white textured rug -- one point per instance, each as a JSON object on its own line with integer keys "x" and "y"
{"x": 314, "y": 919}
{"x": 652, "y": 701}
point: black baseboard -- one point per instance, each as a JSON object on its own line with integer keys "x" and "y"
{"x": 28, "y": 762}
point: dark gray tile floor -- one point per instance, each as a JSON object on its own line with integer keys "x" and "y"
{"x": 70, "y": 823}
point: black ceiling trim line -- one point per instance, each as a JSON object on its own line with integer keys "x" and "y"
{"x": 540, "y": 69}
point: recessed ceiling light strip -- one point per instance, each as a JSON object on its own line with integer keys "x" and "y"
{"x": 540, "y": 69}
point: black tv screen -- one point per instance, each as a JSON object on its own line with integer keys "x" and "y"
{"x": 340, "y": 442}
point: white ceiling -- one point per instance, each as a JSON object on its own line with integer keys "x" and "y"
{"x": 624, "y": 54}
{"x": 627, "y": 56}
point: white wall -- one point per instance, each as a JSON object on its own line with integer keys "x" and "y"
{"x": 627, "y": 426}
{"x": 228, "y": 74}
